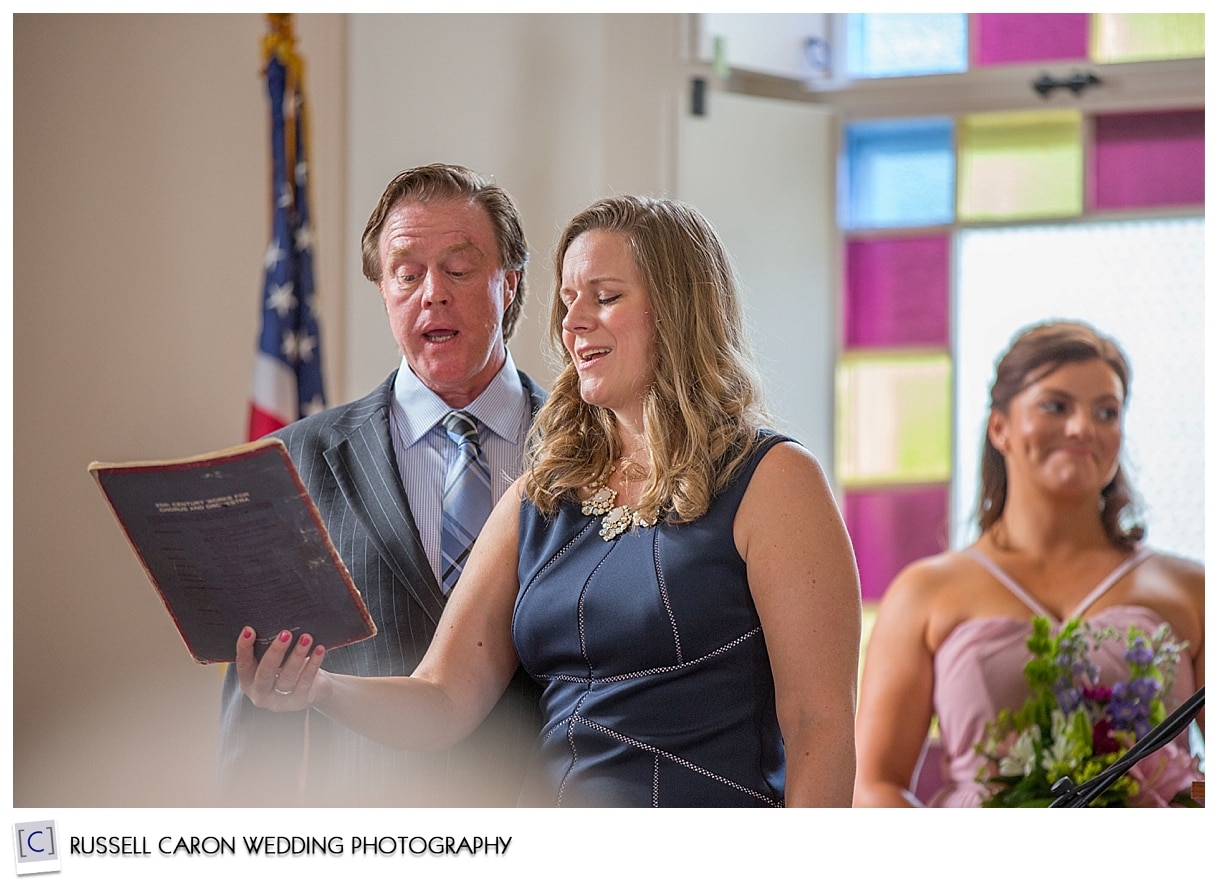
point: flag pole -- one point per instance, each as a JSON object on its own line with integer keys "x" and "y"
{"x": 287, "y": 382}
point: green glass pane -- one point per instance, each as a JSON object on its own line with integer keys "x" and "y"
{"x": 893, "y": 418}
{"x": 1146, "y": 36}
{"x": 1020, "y": 165}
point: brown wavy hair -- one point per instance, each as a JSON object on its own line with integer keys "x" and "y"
{"x": 703, "y": 409}
{"x": 1035, "y": 353}
{"x": 441, "y": 182}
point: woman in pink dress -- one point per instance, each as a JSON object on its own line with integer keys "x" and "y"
{"x": 950, "y": 636}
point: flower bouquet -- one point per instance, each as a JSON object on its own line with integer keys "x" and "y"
{"x": 1073, "y": 726}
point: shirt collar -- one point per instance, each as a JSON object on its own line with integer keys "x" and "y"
{"x": 500, "y": 407}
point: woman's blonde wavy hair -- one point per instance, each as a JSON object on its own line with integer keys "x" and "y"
{"x": 703, "y": 409}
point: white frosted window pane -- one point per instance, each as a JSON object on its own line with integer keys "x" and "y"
{"x": 891, "y": 44}
{"x": 1140, "y": 282}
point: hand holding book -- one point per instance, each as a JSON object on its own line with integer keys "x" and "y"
{"x": 281, "y": 680}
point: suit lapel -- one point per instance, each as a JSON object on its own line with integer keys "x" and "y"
{"x": 365, "y": 468}
{"x": 537, "y": 395}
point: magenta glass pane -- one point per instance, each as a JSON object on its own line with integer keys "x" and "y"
{"x": 897, "y": 292}
{"x": 1015, "y": 37}
{"x": 893, "y": 528}
{"x": 1148, "y": 159}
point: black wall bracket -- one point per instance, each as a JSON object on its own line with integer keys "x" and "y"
{"x": 1076, "y": 83}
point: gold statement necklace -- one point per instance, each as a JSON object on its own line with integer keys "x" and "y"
{"x": 617, "y": 519}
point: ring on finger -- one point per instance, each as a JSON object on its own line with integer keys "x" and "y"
{"x": 279, "y": 691}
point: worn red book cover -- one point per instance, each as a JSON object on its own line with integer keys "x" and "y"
{"x": 232, "y": 538}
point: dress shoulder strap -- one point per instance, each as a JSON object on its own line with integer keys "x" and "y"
{"x": 1010, "y": 584}
{"x": 1033, "y": 604}
{"x": 731, "y": 494}
{"x": 1111, "y": 579}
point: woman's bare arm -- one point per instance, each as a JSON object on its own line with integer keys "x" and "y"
{"x": 466, "y": 668}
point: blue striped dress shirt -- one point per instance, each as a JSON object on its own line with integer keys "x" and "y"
{"x": 424, "y": 450}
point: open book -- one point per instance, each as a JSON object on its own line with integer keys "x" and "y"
{"x": 232, "y": 538}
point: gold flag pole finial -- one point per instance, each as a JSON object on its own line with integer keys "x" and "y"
{"x": 280, "y": 42}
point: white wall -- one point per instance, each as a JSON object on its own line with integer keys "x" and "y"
{"x": 760, "y": 169}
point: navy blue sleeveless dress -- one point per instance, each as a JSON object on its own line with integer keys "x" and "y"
{"x": 657, "y": 689}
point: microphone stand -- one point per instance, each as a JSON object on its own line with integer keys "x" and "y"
{"x": 1071, "y": 795}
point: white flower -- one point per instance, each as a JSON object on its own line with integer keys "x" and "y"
{"x": 1021, "y": 759}
{"x": 1059, "y": 758}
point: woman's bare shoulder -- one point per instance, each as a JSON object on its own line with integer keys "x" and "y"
{"x": 1174, "y": 580}
{"x": 935, "y": 575}
{"x": 933, "y": 595}
{"x": 1184, "y": 570}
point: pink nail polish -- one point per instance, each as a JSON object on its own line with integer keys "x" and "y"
{"x": 285, "y": 636}
{"x": 305, "y": 640}
{"x": 245, "y": 635}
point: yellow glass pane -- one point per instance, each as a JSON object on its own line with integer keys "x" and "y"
{"x": 1016, "y": 166}
{"x": 1146, "y": 36}
{"x": 893, "y": 418}
{"x": 867, "y": 621}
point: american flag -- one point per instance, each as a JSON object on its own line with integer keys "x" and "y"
{"x": 287, "y": 380}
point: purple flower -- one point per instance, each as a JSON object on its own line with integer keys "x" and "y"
{"x": 1068, "y": 698}
{"x": 1144, "y": 689}
{"x": 1124, "y": 709}
{"x": 1139, "y": 652}
{"x": 1130, "y": 706}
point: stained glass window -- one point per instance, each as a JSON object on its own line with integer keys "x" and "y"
{"x": 891, "y": 527}
{"x": 1022, "y": 37}
{"x": 1021, "y": 165}
{"x": 893, "y": 418}
{"x": 897, "y": 292}
{"x": 1147, "y": 36}
{"x": 933, "y": 288}
{"x": 1148, "y": 160}
{"x": 893, "y": 44}
{"x": 898, "y": 173}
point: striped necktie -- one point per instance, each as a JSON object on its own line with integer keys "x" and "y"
{"x": 467, "y": 496}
